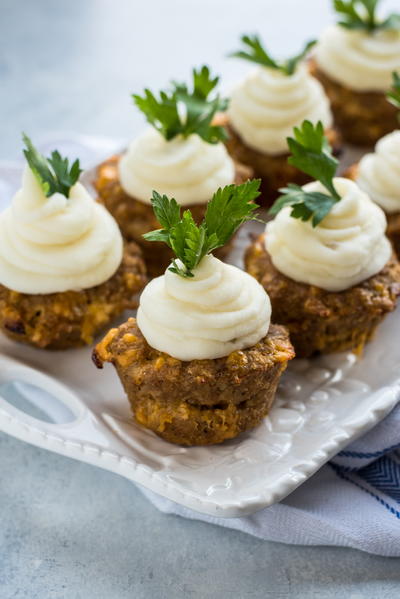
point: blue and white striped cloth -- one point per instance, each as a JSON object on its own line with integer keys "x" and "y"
{"x": 353, "y": 501}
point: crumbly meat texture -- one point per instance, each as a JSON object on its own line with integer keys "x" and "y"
{"x": 393, "y": 218}
{"x": 72, "y": 318}
{"x": 274, "y": 170}
{"x": 361, "y": 117}
{"x": 136, "y": 218}
{"x": 201, "y": 402}
{"x": 320, "y": 321}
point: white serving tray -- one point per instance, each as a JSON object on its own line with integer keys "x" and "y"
{"x": 321, "y": 406}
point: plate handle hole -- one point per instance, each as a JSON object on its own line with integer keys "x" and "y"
{"x": 36, "y": 402}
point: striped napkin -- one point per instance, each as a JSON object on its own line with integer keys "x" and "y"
{"x": 353, "y": 501}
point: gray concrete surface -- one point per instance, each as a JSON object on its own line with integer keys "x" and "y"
{"x": 67, "y": 530}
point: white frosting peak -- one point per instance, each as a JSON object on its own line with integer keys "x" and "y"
{"x": 55, "y": 244}
{"x": 266, "y": 106}
{"x": 359, "y": 60}
{"x": 379, "y": 173}
{"x": 346, "y": 248}
{"x": 220, "y": 310}
{"x": 185, "y": 168}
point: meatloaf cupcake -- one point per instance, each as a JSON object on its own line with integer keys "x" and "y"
{"x": 354, "y": 61}
{"x": 202, "y": 362}
{"x": 325, "y": 260}
{"x": 64, "y": 272}
{"x": 263, "y": 110}
{"x": 378, "y": 174}
{"x": 181, "y": 155}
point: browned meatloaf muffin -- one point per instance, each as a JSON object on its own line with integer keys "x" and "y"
{"x": 320, "y": 321}
{"x": 273, "y": 170}
{"x": 362, "y": 117}
{"x": 72, "y": 318}
{"x": 136, "y": 218}
{"x": 200, "y": 402}
{"x": 393, "y": 218}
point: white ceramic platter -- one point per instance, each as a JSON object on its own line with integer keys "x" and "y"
{"x": 321, "y": 406}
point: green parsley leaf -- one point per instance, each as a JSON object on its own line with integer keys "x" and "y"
{"x": 162, "y": 113}
{"x": 229, "y": 208}
{"x": 310, "y": 153}
{"x": 38, "y": 165}
{"x": 394, "y": 94}
{"x": 53, "y": 174}
{"x": 255, "y": 52}
{"x": 291, "y": 63}
{"x": 167, "y": 211}
{"x": 361, "y": 14}
{"x": 305, "y": 205}
{"x": 187, "y": 242}
{"x": 203, "y": 84}
{"x": 199, "y": 109}
{"x": 184, "y": 111}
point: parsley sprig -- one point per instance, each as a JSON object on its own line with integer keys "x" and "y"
{"x": 394, "y": 94}
{"x": 255, "y": 52}
{"x": 53, "y": 174}
{"x": 311, "y": 154}
{"x": 183, "y": 110}
{"x": 229, "y": 208}
{"x": 361, "y": 14}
